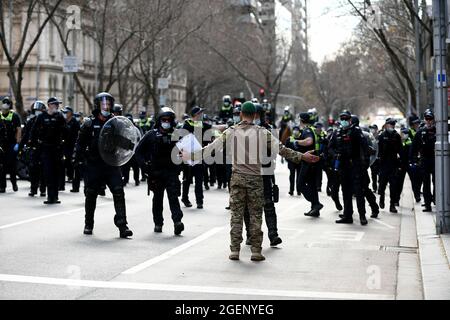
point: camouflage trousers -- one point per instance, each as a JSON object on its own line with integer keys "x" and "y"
{"x": 246, "y": 191}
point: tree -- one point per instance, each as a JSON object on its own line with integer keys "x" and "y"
{"x": 18, "y": 55}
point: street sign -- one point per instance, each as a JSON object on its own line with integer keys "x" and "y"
{"x": 70, "y": 64}
{"x": 441, "y": 79}
{"x": 162, "y": 100}
{"x": 163, "y": 83}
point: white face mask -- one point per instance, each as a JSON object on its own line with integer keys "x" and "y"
{"x": 65, "y": 116}
{"x": 38, "y": 113}
{"x": 5, "y": 107}
{"x": 166, "y": 125}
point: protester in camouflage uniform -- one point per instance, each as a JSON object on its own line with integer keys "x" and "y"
{"x": 246, "y": 187}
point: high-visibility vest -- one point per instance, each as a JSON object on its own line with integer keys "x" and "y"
{"x": 7, "y": 118}
{"x": 195, "y": 124}
{"x": 316, "y": 138}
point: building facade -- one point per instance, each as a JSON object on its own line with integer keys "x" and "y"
{"x": 44, "y": 74}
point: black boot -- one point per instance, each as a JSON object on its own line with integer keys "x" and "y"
{"x": 88, "y": 230}
{"x": 158, "y": 229}
{"x": 382, "y": 205}
{"x": 393, "y": 209}
{"x": 427, "y": 209}
{"x": 187, "y": 203}
{"x": 363, "y": 220}
{"x": 178, "y": 228}
{"x": 125, "y": 232}
{"x": 275, "y": 241}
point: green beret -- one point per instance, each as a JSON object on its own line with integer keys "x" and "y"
{"x": 248, "y": 108}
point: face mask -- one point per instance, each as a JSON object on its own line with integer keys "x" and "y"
{"x": 345, "y": 123}
{"x": 296, "y": 133}
{"x": 258, "y": 122}
{"x": 78, "y": 119}
{"x": 105, "y": 108}
{"x": 166, "y": 125}
{"x": 374, "y": 132}
{"x": 38, "y": 113}
{"x": 390, "y": 130}
{"x": 65, "y": 116}
{"x": 51, "y": 111}
{"x": 226, "y": 104}
{"x": 236, "y": 119}
{"x": 5, "y": 107}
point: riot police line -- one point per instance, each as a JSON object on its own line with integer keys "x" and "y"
{"x": 101, "y": 150}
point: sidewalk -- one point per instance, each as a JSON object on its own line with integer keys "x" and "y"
{"x": 434, "y": 253}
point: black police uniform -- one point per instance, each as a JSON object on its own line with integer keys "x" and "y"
{"x": 389, "y": 146}
{"x": 294, "y": 168}
{"x": 32, "y": 160}
{"x": 97, "y": 173}
{"x": 308, "y": 185}
{"x": 403, "y": 168}
{"x": 346, "y": 147}
{"x": 332, "y": 171}
{"x": 154, "y": 155}
{"x": 2, "y": 151}
{"x": 423, "y": 154}
{"x": 47, "y": 136}
{"x": 226, "y": 113}
{"x": 68, "y": 170}
{"x": 196, "y": 172}
{"x": 11, "y": 122}
{"x": 414, "y": 172}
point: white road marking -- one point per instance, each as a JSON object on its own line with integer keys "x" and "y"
{"x": 173, "y": 252}
{"x": 15, "y": 224}
{"x": 193, "y": 289}
{"x": 343, "y": 236}
{"x": 383, "y": 223}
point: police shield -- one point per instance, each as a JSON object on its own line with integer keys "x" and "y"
{"x": 118, "y": 140}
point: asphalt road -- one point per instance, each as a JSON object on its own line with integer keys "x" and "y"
{"x": 44, "y": 254}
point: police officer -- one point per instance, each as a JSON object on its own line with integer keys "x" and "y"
{"x": 375, "y": 167}
{"x": 389, "y": 146}
{"x": 31, "y": 154}
{"x": 414, "y": 173}
{"x": 48, "y": 135}
{"x": 73, "y": 127}
{"x": 2, "y": 145}
{"x": 423, "y": 156}
{"x": 332, "y": 171}
{"x": 154, "y": 155}
{"x": 145, "y": 123}
{"x": 284, "y": 124}
{"x": 294, "y": 168}
{"x": 320, "y": 135}
{"x": 195, "y": 125}
{"x": 132, "y": 164}
{"x": 117, "y": 110}
{"x": 97, "y": 172}
{"x": 226, "y": 112}
{"x": 346, "y": 147}
{"x": 12, "y": 123}
{"x": 308, "y": 142}
{"x": 404, "y": 167}
{"x": 366, "y": 155}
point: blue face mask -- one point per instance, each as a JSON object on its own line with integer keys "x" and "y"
{"x": 166, "y": 125}
{"x": 345, "y": 123}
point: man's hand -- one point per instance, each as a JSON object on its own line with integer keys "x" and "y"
{"x": 310, "y": 157}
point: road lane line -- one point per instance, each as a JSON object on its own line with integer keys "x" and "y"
{"x": 173, "y": 251}
{"x": 383, "y": 223}
{"x": 192, "y": 289}
{"x": 15, "y": 224}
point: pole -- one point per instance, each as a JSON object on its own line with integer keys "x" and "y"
{"x": 418, "y": 57}
{"x": 441, "y": 111}
{"x": 10, "y": 14}
{"x": 38, "y": 49}
{"x": 72, "y": 78}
